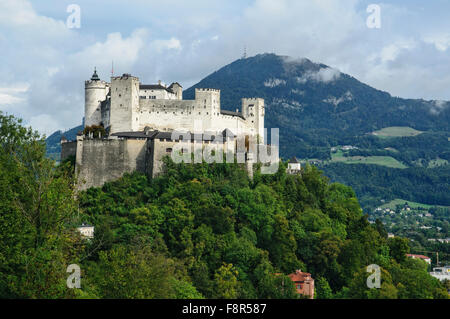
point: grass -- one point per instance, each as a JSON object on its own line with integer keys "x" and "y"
{"x": 396, "y": 131}
{"x": 387, "y": 161}
{"x": 413, "y": 205}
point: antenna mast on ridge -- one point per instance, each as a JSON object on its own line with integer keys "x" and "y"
{"x": 244, "y": 56}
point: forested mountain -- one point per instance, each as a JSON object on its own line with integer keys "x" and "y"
{"x": 317, "y": 107}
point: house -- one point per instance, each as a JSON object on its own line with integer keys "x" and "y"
{"x": 441, "y": 273}
{"x": 391, "y": 235}
{"x": 424, "y": 258}
{"x": 304, "y": 283}
{"x": 86, "y": 231}
{"x": 294, "y": 166}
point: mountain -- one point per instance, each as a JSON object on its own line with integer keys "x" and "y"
{"x": 317, "y": 107}
{"x": 54, "y": 141}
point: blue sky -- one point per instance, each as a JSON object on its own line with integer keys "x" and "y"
{"x": 44, "y": 63}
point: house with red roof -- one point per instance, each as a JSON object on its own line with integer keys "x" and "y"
{"x": 424, "y": 258}
{"x": 304, "y": 283}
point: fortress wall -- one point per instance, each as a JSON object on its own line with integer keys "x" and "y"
{"x": 104, "y": 160}
{"x": 157, "y": 94}
{"x": 161, "y": 148}
{"x": 68, "y": 149}
{"x": 182, "y": 114}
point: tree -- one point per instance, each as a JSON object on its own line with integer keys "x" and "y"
{"x": 37, "y": 207}
{"x": 322, "y": 289}
{"x": 226, "y": 283}
{"x": 398, "y": 248}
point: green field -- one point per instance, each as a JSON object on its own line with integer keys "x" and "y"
{"x": 376, "y": 160}
{"x": 396, "y": 131}
{"x": 413, "y": 205}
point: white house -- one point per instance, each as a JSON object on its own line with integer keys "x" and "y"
{"x": 441, "y": 273}
{"x": 86, "y": 230}
{"x": 294, "y": 166}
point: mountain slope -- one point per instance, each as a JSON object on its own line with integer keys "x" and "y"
{"x": 317, "y": 107}
{"x": 54, "y": 141}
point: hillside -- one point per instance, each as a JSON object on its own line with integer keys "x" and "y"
{"x": 317, "y": 107}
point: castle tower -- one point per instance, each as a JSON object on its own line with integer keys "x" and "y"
{"x": 124, "y": 114}
{"x": 208, "y": 106}
{"x": 95, "y": 92}
{"x": 253, "y": 110}
{"x": 177, "y": 89}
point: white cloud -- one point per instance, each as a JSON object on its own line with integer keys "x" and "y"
{"x": 440, "y": 41}
{"x": 171, "y": 44}
{"x": 12, "y": 94}
{"x": 323, "y": 75}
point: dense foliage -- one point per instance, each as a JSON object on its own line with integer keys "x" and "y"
{"x": 198, "y": 231}
{"x": 374, "y": 182}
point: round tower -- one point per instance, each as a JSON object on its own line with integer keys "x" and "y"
{"x": 95, "y": 93}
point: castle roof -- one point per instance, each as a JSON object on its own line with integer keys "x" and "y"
{"x": 147, "y": 134}
{"x": 206, "y": 136}
{"x": 225, "y": 112}
{"x": 293, "y": 160}
{"x": 95, "y": 76}
{"x": 171, "y": 86}
{"x": 153, "y": 87}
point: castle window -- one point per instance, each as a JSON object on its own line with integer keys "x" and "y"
{"x": 168, "y": 150}
{"x": 120, "y": 95}
{"x": 199, "y": 113}
{"x": 207, "y": 113}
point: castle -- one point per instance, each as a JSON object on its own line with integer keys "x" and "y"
{"x": 138, "y": 122}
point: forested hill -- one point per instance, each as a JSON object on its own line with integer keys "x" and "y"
{"x": 316, "y": 106}
{"x": 197, "y": 231}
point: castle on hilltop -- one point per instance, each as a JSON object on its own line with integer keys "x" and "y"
{"x": 130, "y": 126}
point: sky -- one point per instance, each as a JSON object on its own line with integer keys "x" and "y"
{"x": 45, "y": 57}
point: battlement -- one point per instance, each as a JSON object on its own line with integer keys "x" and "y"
{"x": 255, "y": 99}
{"x": 207, "y": 90}
{"x": 124, "y": 76}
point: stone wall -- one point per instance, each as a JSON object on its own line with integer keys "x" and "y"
{"x": 104, "y": 160}
{"x": 68, "y": 149}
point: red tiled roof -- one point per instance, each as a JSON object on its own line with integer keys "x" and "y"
{"x": 299, "y": 276}
{"x": 418, "y": 256}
